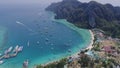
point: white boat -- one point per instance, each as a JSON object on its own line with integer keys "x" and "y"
{"x": 28, "y": 43}
{"x": 10, "y": 49}
{"x": 19, "y": 23}
{"x": 20, "y": 48}
{"x": 16, "y": 48}
{"x": 1, "y": 61}
{"x": 38, "y": 42}
{"x": 6, "y": 52}
{"x": 47, "y": 39}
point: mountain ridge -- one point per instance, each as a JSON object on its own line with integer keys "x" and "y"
{"x": 89, "y": 15}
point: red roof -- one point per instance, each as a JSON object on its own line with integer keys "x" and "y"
{"x": 107, "y": 49}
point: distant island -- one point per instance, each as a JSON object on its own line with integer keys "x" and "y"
{"x": 89, "y": 15}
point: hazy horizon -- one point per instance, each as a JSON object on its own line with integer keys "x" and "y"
{"x": 11, "y": 2}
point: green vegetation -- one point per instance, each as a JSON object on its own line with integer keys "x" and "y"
{"x": 84, "y": 61}
{"x": 89, "y": 15}
{"x": 59, "y": 64}
{"x": 96, "y": 47}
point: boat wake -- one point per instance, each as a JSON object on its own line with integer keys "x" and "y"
{"x": 24, "y": 26}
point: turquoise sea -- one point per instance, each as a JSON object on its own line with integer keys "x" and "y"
{"x": 49, "y": 39}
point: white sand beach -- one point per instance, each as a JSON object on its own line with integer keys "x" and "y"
{"x": 91, "y": 43}
{"x": 72, "y": 26}
{"x": 88, "y": 47}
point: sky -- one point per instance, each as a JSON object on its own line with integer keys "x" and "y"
{"x": 113, "y": 2}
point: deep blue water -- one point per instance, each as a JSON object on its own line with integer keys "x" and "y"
{"x": 48, "y": 39}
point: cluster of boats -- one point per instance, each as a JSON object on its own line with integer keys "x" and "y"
{"x": 10, "y": 52}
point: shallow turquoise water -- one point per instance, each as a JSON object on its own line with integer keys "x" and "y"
{"x": 38, "y": 26}
{"x": 2, "y": 37}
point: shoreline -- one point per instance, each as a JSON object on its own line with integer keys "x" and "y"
{"x": 75, "y": 55}
{"x": 88, "y": 47}
{"x": 92, "y": 39}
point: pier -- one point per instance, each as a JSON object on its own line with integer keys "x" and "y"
{"x": 10, "y": 54}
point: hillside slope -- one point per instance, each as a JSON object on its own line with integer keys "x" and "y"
{"x": 89, "y": 15}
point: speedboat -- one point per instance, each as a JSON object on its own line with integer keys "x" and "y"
{"x": 16, "y": 48}
{"x": 6, "y": 52}
{"x": 20, "y": 48}
{"x": 46, "y": 39}
{"x": 38, "y": 42}
{"x": 28, "y": 44}
{"x": 9, "y": 50}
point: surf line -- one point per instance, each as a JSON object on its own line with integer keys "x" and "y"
{"x": 24, "y": 26}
